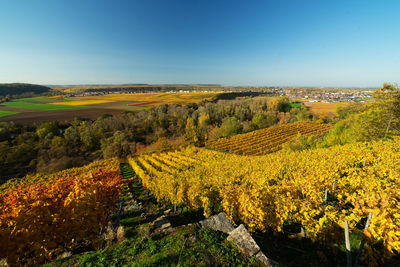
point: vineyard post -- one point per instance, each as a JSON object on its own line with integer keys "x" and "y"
{"x": 119, "y": 212}
{"x": 333, "y": 187}
{"x": 176, "y": 192}
{"x": 302, "y": 231}
{"x": 326, "y": 196}
{"x": 364, "y": 163}
{"x": 347, "y": 239}
{"x": 362, "y": 241}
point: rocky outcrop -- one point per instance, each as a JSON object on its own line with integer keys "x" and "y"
{"x": 161, "y": 223}
{"x": 218, "y": 222}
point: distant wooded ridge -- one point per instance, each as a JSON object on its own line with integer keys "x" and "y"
{"x": 186, "y": 87}
{"x": 20, "y": 88}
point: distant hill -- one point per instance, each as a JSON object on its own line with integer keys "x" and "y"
{"x": 20, "y": 88}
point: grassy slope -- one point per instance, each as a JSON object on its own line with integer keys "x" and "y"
{"x": 4, "y": 113}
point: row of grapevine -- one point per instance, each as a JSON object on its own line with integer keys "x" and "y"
{"x": 42, "y": 217}
{"x": 43, "y": 178}
{"x": 269, "y": 191}
{"x": 267, "y": 140}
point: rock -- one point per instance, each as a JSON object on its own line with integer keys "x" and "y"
{"x": 218, "y": 222}
{"x": 64, "y": 255}
{"x": 243, "y": 240}
{"x": 161, "y": 223}
{"x": 166, "y": 225}
{"x": 196, "y": 224}
{"x": 120, "y": 234}
{"x": 3, "y": 262}
{"x": 261, "y": 258}
{"x": 167, "y": 212}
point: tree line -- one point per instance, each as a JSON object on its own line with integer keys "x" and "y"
{"x": 10, "y": 89}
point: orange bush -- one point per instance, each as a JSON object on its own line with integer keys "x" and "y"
{"x": 41, "y": 221}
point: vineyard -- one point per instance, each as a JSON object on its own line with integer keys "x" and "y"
{"x": 42, "y": 215}
{"x": 318, "y": 190}
{"x": 267, "y": 140}
{"x": 42, "y": 178}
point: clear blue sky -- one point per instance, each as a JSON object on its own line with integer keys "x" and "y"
{"x": 293, "y": 43}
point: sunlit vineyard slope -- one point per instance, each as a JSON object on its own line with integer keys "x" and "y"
{"x": 268, "y": 192}
{"x": 267, "y": 140}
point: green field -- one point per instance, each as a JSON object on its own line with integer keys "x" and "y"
{"x": 28, "y": 103}
{"x": 4, "y": 113}
{"x": 296, "y": 105}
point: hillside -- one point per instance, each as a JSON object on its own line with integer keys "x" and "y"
{"x": 20, "y": 88}
{"x": 291, "y": 202}
{"x": 316, "y": 191}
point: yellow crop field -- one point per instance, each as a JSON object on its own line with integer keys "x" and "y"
{"x": 82, "y": 102}
{"x": 145, "y": 98}
{"x": 324, "y": 108}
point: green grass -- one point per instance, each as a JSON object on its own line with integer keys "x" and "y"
{"x": 186, "y": 246}
{"x": 296, "y": 105}
{"x": 4, "y": 113}
{"x": 38, "y": 98}
{"x": 26, "y": 103}
{"x": 126, "y": 170}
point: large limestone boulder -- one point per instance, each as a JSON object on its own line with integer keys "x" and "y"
{"x": 243, "y": 240}
{"x": 218, "y": 222}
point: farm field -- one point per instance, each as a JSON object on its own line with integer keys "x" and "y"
{"x": 4, "y": 113}
{"x": 39, "y": 109}
{"x": 324, "y": 108}
{"x": 267, "y": 140}
{"x": 144, "y": 99}
{"x": 316, "y": 189}
{"x": 36, "y": 103}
